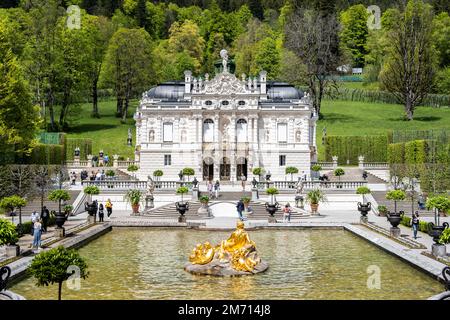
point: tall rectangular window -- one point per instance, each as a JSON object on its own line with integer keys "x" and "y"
{"x": 167, "y": 160}
{"x": 282, "y": 160}
{"x": 282, "y": 132}
{"x": 168, "y": 132}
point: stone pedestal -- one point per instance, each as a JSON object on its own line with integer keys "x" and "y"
{"x": 60, "y": 232}
{"x": 90, "y": 163}
{"x": 272, "y": 219}
{"x": 149, "y": 203}
{"x": 364, "y": 219}
{"x": 91, "y": 219}
{"x": 101, "y": 162}
{"x": 76, "y": 161}
{"x": 394, "y": 232}
{"x": 195, "y": 193}
{"x": 255, "y": 195}
{"x": 12, "y": 251}
{"x": 182, "y": 219}
{"x": 438, "y": 250}
{"x": 204, "y": 211}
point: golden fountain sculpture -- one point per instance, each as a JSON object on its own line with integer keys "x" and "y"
{"x": 235, "y": 256}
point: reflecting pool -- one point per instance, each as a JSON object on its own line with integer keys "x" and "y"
{"x": 130, "y": 263}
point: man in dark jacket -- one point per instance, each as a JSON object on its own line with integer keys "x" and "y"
{"x": 45, "y": 216}
{"x": 240, "y": 208}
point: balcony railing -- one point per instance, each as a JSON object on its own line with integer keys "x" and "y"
{"x": 131, "y": 184}
{"x": 309, "y": 185}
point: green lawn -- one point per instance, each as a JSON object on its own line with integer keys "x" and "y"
{"x": 107, "y": 133}
{"x": 364, "y": 118}
{"x": 340, "y": 118}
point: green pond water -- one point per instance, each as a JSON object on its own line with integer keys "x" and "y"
{"x": 303, "y": 264}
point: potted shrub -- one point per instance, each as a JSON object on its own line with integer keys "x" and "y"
{"x": 246, "y": 201}
{"x": 204, "y": 209}
{"x": 133, "y": 168}
{"x": 110, "y": 173}
{"x": 382, "y": 210}
{"x": 58, "y": 196}
{"x": 363, "y": 207}
{"x": 315, "y": 169}
{"x": 258, "y": 172}
{"x": 445, "y": 237}
{"x": 56, "y": 266}
{"x": 437, "y": 232}
{"x": 396, "y": 195}
{"x": 272, "y": 207}
{"x": 314, "y": 197}
{"x": 291, "y": 171}
{"x": 441, "y": 203}
{"x": 134, "y": 196}
{"x": 338, "y": 173}
{"x": 182, "y": 206}
{"x": 158, "y": 174}
{"x": 204, "y": 199}
{"x": 12, "y": 202}
{"x": 91, "y": 190}
{"x": 188, "y": 172}
{"x": 9, "y": 237}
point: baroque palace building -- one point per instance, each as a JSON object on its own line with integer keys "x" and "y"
{"x": 224, "y": 127}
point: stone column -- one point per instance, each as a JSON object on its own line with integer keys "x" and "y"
{"x": 89, "y": 157}
{"x": 116, "y": 161}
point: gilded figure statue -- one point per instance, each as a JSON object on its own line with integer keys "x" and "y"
{"x": 238, "y": 252}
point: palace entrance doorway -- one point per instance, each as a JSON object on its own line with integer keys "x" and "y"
{"x": 208, "y": 169}
{"x": 241, "y": 168}
{"x": 225, "y": 169}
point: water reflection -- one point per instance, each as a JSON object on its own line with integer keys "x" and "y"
{"x": 303, "y": 264}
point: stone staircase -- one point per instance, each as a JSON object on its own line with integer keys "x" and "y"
{"x": 258, "y": 211}
{"x": 35, "y": 204}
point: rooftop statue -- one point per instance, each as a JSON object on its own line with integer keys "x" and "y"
{"x": 224, "y": 56}
{"x": 235, "y": 256}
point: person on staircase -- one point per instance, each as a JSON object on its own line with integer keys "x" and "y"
{"x": 216, "y": 189}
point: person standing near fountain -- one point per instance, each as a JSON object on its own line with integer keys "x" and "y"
{"x": 216, "y": 189}
{"x": 37, "y": 233}
{"x": 415, "y": 223}
{"x": 108, "y": 206}
{"x": 101, "y": 213}
{"x": 240, "y": 208}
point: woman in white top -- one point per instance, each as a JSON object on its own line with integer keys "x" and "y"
{"x": 37, "y": 230}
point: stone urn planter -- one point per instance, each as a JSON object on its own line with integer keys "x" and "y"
{"x": 182, "y": 207}
{"x": 395, "y": 219}
{"x": 364, "y": 208}
{"x": 434, "y": 231}
{"x": 61, "y": 219}
{"x": 314, "y": 207}
{"x": 135, "y": 208}
{"x": 272, "y": 208}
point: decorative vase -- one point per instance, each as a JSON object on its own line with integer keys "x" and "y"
{"x": 135, "y": 207}
{"x": 364, "y": 208}
{"x": 271, "y": 208}
{"x": 395, "y": 218}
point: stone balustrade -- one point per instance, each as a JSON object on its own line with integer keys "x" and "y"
{"x": 131, "y": 184}
{"x": 308, "y": 185}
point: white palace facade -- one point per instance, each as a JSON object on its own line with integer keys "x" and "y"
{"x": 224, "y": 127}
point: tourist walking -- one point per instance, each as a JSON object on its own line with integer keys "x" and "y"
{"x": 421, "y": 202}
{"x": 240, "y": 208}
{"x": 45, "y": 216}
{"x": 415, "y": 223}
{"x": 216, "y": 189}
{"x": 210, "y": 189}
{"x": 101, "y": 213}
{"x": 37, "y": 232}
{"x": 287, "y": 213}
{"x": 108, "y": 206}
{"x": 33, "y": 218}
{"x": 243, "y": 181}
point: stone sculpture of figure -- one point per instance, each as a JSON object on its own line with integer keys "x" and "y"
{"x": 297, "y": 136}
{"x": 224, "y": 56}
{"x": 150, "y": 186}
{"x": 130, "y": 138}
{"x": 300, "y": 186}
{"x": 151, "y": 136}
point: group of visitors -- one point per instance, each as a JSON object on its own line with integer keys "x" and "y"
{"x": 39, "y": 223}
{"x": 94, "y": 176}
{"x": 213, "y": 189}
{"x": 100, "y": 210}
{"x": 73, "y": 177}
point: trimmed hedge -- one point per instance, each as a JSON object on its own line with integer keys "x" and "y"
{"x": 85, "y": 146}
{"x": 46, "y": 154}
{"x": 373, "y": 148}
{"x": 412, "y": 152}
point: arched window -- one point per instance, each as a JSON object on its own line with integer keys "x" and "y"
{"x": 151, "y": 136}
{"x": 167, "y": 132}
{"x": 208, "y": 130}
{"x": 241, "y": 130}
